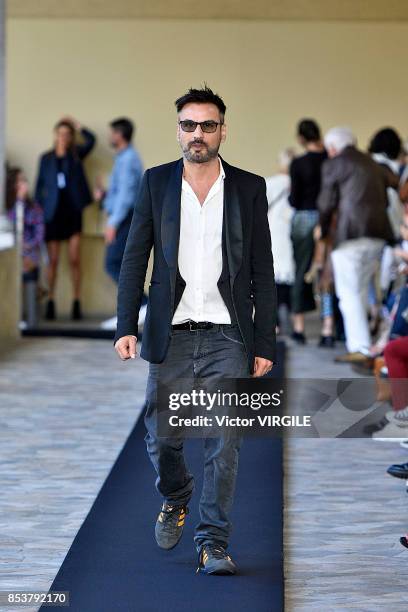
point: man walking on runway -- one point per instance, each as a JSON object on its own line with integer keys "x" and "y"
{"x": 211, "y": 311}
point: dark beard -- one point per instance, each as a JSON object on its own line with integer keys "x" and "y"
{"x": 200, "y": 157}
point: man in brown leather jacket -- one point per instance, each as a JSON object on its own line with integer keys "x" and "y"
{"x": 354, "y": 186}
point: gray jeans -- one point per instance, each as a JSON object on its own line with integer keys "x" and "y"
{"x": 207, "y": 354}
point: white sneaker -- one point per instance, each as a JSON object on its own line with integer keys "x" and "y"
{"x": 391, "y": 433}
{"x": 109, "y": 323}
{"x": 401, "y": 416}
{"x": 397, "y": 416}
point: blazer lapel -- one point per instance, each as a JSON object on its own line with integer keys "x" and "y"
{"x": 233, "y": 223}
{"x": 170, "y": 221}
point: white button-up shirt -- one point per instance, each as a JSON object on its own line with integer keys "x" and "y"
{"x": 200, "y": 254}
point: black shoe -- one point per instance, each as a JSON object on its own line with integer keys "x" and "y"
{"x": 298, "y": 337}
{"x": 399, "y": 470}
{"x": 404, "y": 541}
{"x": 327, "y": 341}
{"x": 373, "y": 427}
{"x": 50, "y": 311}
{"x": 169, "y": 525}
{"x": 213, "y": 559}
{"x": 76, "y": 314}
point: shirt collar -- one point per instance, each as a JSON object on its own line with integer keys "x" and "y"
{"x": 123, "y": 151}
{"x": 222, "y": 171}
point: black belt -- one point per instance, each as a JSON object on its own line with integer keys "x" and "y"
{"x": 193, "y": 325}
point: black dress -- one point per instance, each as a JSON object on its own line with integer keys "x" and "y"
{"x": 67, "y": 219}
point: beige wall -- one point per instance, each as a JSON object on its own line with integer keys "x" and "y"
{"x": 10, "y": 296}
{"x": 227, "y": 9}
{"x": 269, "y": 73}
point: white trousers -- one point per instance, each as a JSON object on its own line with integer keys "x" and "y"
{"x": 354, "y": 264}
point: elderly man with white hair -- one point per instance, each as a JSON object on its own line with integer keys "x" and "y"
{"x": 354, "y": 190}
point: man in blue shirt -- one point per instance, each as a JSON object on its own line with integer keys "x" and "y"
{"x": 120, "y": 198}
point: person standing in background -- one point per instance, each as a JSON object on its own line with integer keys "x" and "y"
{"x": 17, "y": 192}
{"x": 386, "y": 149}
{"x": 121, "y": 196}
{"x": 62, "y": 191}
{"x": 305, "y": 175}
{"x": 280, "y": 218}
{"x": 354, "y": 188}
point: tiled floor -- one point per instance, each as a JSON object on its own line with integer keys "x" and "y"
{"x": 67, "y": 406}
{"x": 343, "y": 514}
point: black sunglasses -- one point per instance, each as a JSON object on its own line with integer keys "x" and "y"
{"x": 187, "y": 125}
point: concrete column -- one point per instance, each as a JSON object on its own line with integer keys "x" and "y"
{"x": 3, "y": 224}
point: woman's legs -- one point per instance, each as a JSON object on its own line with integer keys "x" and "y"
{"x": 74, "y": 244}
{"x": 326, "y": 313}
{"x": 53, "y": 248}
{"x": 303, "y": 224}
{"x": 299, "y": 322}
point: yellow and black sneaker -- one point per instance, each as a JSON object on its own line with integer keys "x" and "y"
{"x": 213, "y": 559}
{"x": 169, "y": 525}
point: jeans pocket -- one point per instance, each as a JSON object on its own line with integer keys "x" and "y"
{"x": 233, "y": 332}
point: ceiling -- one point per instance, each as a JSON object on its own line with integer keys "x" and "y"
{"x": 300, "y": 10}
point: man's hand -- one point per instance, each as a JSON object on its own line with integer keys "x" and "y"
{"x": 401, "y": 253}
{"x": 99, "y": 190}
{"x": 126, "y": 347}
{"x": 98, "y": 194}
{"x": 110, "y": 234}
{"x": 317, "y": 233}
{"x": 261, "y": 366}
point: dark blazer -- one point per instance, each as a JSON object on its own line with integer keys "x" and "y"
{"x": 247, "y": 277}
{"x": 355, "y": 186}
{"x": 46, "y": 191}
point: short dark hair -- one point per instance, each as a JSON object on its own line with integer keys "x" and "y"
{"x": 309, "y": 130}
{"x": 205, "y": 95}
{"x": 124, "y": 126}
{"x": 11, "y": 187}
{"x": 386, "y": 141}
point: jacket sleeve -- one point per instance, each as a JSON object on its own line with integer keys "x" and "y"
{"x": 38, "y": 197}
{"x": 328, "y": 199}
{"x": 263, "y": 280}
{"x": 391, "y": 179}
{"x": 88, "y": 144}
{"x": 134, "y": 263}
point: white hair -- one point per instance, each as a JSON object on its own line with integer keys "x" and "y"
{"x": 339, "y": 138}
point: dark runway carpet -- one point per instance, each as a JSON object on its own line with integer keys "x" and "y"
{"x": 114, "y": 564}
